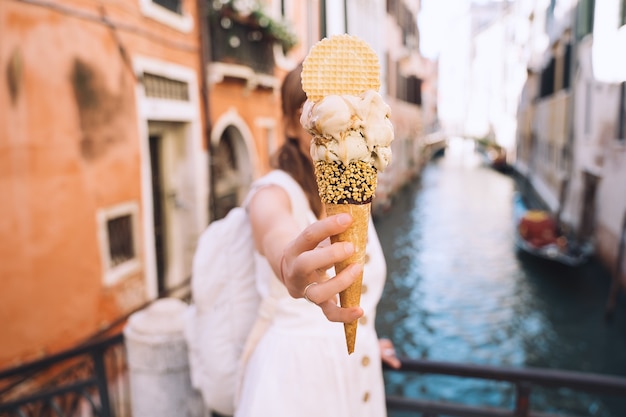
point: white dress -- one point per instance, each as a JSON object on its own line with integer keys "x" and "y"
{"x": 300, "y": 366}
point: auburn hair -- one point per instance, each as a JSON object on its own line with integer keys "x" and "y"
{"x": 290, "y": 157}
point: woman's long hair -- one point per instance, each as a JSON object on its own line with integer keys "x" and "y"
{"x": 289, "y": 157}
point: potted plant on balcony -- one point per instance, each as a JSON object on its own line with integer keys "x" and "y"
{"x": 242, "y": 32}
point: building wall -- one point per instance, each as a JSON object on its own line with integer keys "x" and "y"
{"x": 599, "y": 151}
{"x": 70, "y": 148}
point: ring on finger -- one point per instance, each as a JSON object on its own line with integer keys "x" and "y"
{"x": 389, "y": 352}
{"x": 306, "y": 289}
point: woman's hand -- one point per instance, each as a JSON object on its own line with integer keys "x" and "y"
{"x": 388, "y": 353}
{"x": 305, "y": 261}
{"x": 300, "y": 259}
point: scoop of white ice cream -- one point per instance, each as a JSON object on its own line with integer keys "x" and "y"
{"x": 350, "y": 128}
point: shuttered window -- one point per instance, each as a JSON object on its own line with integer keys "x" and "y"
{"x": 157, "y": 86}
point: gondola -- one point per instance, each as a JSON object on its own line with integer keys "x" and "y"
{"x": 537, "y": 234}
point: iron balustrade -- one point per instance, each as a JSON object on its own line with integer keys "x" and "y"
{"x": 523, "y": 379}
{"x": 62, "y": 384}
{"x": 93, "y": 376}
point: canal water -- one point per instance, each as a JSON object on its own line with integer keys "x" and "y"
{"x": 458, "y": 291}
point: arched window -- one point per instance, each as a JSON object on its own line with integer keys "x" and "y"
{"x": 231, "y": 172}
{"x": 225, "y": 177}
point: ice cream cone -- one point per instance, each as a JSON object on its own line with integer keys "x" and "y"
{"x": 351, "y": 133}
{"x": 357, "y": 234}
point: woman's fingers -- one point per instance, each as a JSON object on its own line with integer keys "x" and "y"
{"x": 324, "y": 294}
{"x": 388, "y": 353}
{"x": 328, "y": 289}
{"x": 311, "y": 237}
{"x": 340, "y": 315}
{"x": 323, "y": 258}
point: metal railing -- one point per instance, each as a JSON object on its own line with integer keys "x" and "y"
{"x": 87, "y": 380}
{"x": 92, "y": 380}
{"x": 523, "y": 379}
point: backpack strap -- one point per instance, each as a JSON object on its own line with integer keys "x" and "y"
{"x": 300, "y": 208}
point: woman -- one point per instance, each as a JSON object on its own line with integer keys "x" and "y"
{"x": 300, "y": 365}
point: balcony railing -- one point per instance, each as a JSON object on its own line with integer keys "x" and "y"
{"x": 236, "y": 42}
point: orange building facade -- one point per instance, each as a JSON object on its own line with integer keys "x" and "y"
{"x": 128, "y": 125}
{"x": 93, "y": 96}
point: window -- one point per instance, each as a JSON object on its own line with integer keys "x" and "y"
{"x": 567, "y": 64}
{"x": 157, "y": 86}
{"x": 171, "y": 5}
{"x": 120, "y": 234}
{"x": 547, "y": 79}
{"x": 168, "y": 12}
{"x": 584, "y": 18}
{"x": 118, "y": 241}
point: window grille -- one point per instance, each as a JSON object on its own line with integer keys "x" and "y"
{"x": 157, "y": 86}
{"x": 118, "y": 237}
{"x": 120, "y": 232}
{"x": 171, "y": 5}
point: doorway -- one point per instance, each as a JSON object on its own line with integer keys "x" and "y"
{"x": 156, "y": 145}
{"x": 172, "y": 199}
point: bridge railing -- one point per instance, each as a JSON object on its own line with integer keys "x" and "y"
{"x": 92, "y": 380}
{"x": 523, "y": 380}
{"x": 89, "y": 380}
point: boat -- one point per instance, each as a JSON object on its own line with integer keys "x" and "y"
{"x": 537, "y": 233}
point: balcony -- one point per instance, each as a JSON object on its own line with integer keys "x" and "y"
{"x": 247, "y": 36}
{"x": 242, "y": 42}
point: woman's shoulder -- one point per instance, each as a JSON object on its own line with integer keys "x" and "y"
{"x": 284, "y": 180}
{"x": 277, "y": 177}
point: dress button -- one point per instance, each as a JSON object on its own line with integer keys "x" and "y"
{"x": 363, "y": 320}
{"x": 366, "y": 396}
{"x": 365, "y": 361}
{"x": 363, "y": 289}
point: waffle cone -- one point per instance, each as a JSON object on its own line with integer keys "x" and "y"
{"x": 357, "y": 234}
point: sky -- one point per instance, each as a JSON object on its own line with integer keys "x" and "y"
{"x": 434, "y": 21}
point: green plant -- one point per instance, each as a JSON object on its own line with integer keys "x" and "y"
{"x": 251, "y": 13}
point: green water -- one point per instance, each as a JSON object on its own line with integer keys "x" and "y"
{"x": 458, "y": 291}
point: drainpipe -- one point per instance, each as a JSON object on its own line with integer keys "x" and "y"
{"x": 205, "y": 58}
